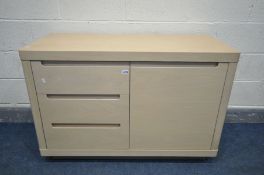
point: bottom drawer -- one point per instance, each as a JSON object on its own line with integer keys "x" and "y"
{"x": 85, "y": 121}
{"x": 84, "y": 136}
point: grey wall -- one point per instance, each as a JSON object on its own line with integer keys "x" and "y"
{"x": 237, "y": 22}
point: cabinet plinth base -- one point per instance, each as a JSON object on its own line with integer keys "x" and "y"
{"x": 130, "y": 153}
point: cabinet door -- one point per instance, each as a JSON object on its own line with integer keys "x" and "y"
{"x": 175, "y": 105}
{"x": 83, "y": 105}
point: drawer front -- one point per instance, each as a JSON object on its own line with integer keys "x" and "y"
{"x": 84, "y": 109}
{"x": 81, "y": 77}
{"x": 85, "y": 122}
{"x": 175, "y": 106}
{"x": 87, "y": 137}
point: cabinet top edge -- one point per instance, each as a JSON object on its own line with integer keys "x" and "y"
{"x": 128, "y": 43}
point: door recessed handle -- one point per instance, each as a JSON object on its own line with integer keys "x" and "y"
{"x": 176, "y": 64}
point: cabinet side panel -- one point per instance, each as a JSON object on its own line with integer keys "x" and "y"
{"x": 34, "y": 104}
{"x": 223, "y": 105}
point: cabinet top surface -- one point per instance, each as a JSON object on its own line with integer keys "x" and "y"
{"x": 128, "y": 43}
{"x": 133, "y": 43}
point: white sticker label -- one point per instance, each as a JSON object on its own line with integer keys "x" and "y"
{"x": 43, "y": 80}
{"x": 124, "y": 72}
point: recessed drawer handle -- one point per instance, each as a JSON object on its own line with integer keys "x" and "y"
{"x": 85, "y": 96}
{"x": 90, "y": 125}
{"x": 176, "y": 64}
{"x": 83, "y": 63}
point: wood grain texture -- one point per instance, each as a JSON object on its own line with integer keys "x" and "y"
{"x": 74, "y": 112}
{"x": 96, "y": 112}
{"x": 84, "y": 110}
{"x": 69, "y": 86}
{"x": 81, "y": 79}
{"x": 92, "y": 47}
{"x": 88, "y": 138}
{"x": 174, "y": 107}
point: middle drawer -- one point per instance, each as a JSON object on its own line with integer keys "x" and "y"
{"x": 84, "y": 108}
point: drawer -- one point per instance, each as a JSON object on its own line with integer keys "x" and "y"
{"x": 84, "y": 108}
{"x": 87, "y": 136}
{"x": 85, "y": 121}
{"x": 71, "y": 77}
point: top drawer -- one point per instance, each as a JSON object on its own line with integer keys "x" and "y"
{"x": 66, "y": 77}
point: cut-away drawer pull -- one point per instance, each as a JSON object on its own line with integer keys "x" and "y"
{"x": 85, "y": 96}
{"x": 83, "y": 63}
{"x": 90, "y": 125}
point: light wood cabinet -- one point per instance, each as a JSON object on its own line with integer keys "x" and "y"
{"x": 129, "y": 95}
